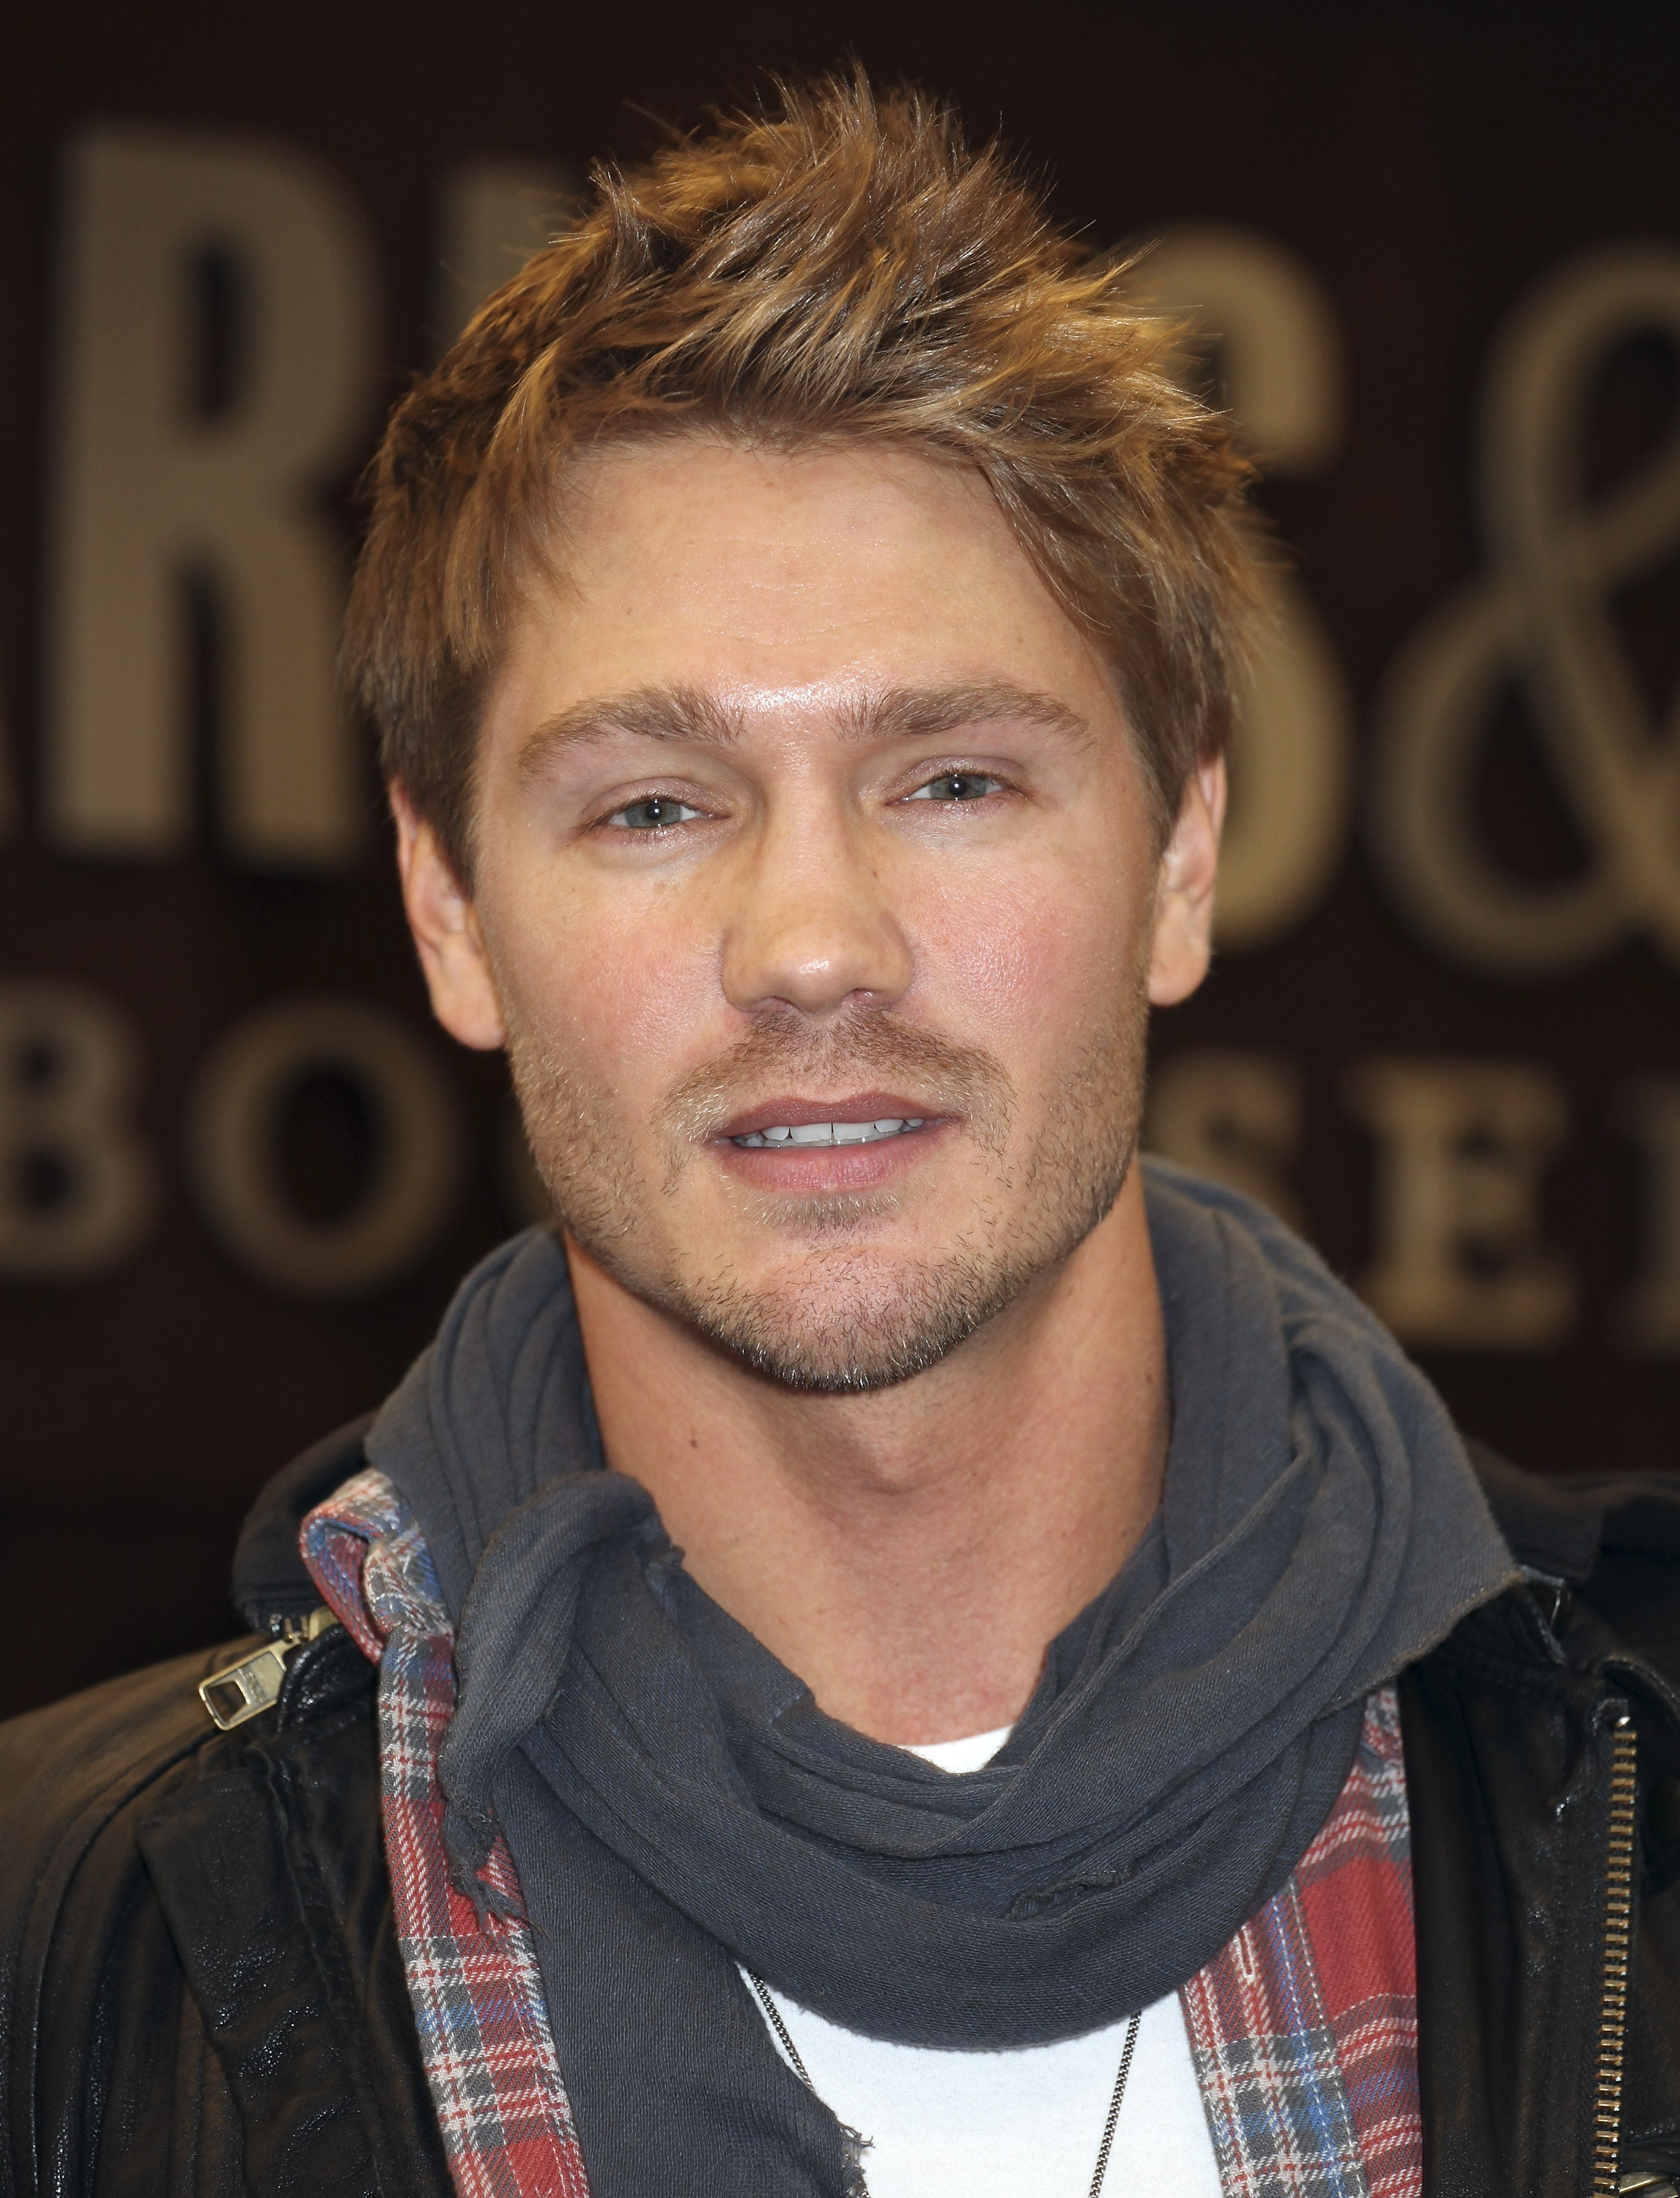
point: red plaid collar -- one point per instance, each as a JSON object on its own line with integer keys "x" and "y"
{"x": 484, "y": 2038}
{"x": 1304, "y": 2030}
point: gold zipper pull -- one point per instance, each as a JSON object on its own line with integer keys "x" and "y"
{"x": 246, "y": 1690}
{"x": 1607, "y": 2120}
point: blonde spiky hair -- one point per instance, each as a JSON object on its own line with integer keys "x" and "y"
{"x": 833, "y": 265}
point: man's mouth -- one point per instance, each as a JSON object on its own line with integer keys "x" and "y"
{"x": 793, "y": 1122}
{"x": 829, "y": 1133}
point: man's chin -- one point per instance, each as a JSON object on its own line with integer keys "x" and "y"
{"x": 819, "y": 1362}
{"x": 865, "y": 1323}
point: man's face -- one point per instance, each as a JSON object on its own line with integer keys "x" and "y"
{"x": 817, "y": 900}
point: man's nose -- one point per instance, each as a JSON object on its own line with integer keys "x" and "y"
{"x": 812, "y": 926}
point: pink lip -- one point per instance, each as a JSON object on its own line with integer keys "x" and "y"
{"x": 856, "y": 1107}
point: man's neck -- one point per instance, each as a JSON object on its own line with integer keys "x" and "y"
{"x": 910, "y": 1553}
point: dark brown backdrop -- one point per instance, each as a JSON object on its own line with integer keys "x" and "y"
{"x": 1429, "y": 166}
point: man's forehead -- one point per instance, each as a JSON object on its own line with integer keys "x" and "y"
{"x": 726, "y": 535}
{"x": 707, "y": 593}
{"x": 687, "y": 470}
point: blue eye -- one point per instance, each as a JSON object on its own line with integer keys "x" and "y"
{"x": 652, "y": 813}
{"x": 957, "y": 786}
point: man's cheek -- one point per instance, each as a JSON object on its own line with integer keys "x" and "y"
{"x": 1010, "y": 965}
{"x": 639, "y": 1004}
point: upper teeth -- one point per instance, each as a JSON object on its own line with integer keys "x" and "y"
{"x": 831, "y": 1133}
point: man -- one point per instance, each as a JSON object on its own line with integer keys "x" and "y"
{"x": 900, "y": 1649}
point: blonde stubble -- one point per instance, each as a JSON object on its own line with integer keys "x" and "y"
{"x": 850, "y": 1319}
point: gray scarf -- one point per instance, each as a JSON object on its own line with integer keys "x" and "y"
{"x": 676, "y": 1803}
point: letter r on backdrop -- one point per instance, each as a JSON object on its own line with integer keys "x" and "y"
{"x": 170, "y": 490}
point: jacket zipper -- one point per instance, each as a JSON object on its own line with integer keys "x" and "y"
{"x": 1607, "y": 2138}
{"x": 241, "y": 1691}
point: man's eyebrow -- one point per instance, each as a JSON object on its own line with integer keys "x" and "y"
{"x": 689, "y": 713}
{"x": 648, "y": 714}
{"x": 927, "y": 712}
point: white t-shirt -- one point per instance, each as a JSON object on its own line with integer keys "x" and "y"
{"x": 955, "y": 2124}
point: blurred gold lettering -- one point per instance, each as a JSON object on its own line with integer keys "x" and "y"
{"x": 1461, "y": 1150}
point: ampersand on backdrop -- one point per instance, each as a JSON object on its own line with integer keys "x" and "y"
{"x": 1539, "y": 614}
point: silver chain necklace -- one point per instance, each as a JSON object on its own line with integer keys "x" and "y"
{"x": 773, "y": 2017}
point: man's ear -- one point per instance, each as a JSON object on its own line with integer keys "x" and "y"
{"x": 446, "y": 933}
{"x": 1182, "y": 944}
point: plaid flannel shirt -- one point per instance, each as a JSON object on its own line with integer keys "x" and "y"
{"x": 1303, "y": 2030}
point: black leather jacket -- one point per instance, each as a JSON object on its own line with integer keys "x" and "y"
{"x": 202, "y": 1995}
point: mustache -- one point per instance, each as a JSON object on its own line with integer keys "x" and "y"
{"x": 787, "y": 1052}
